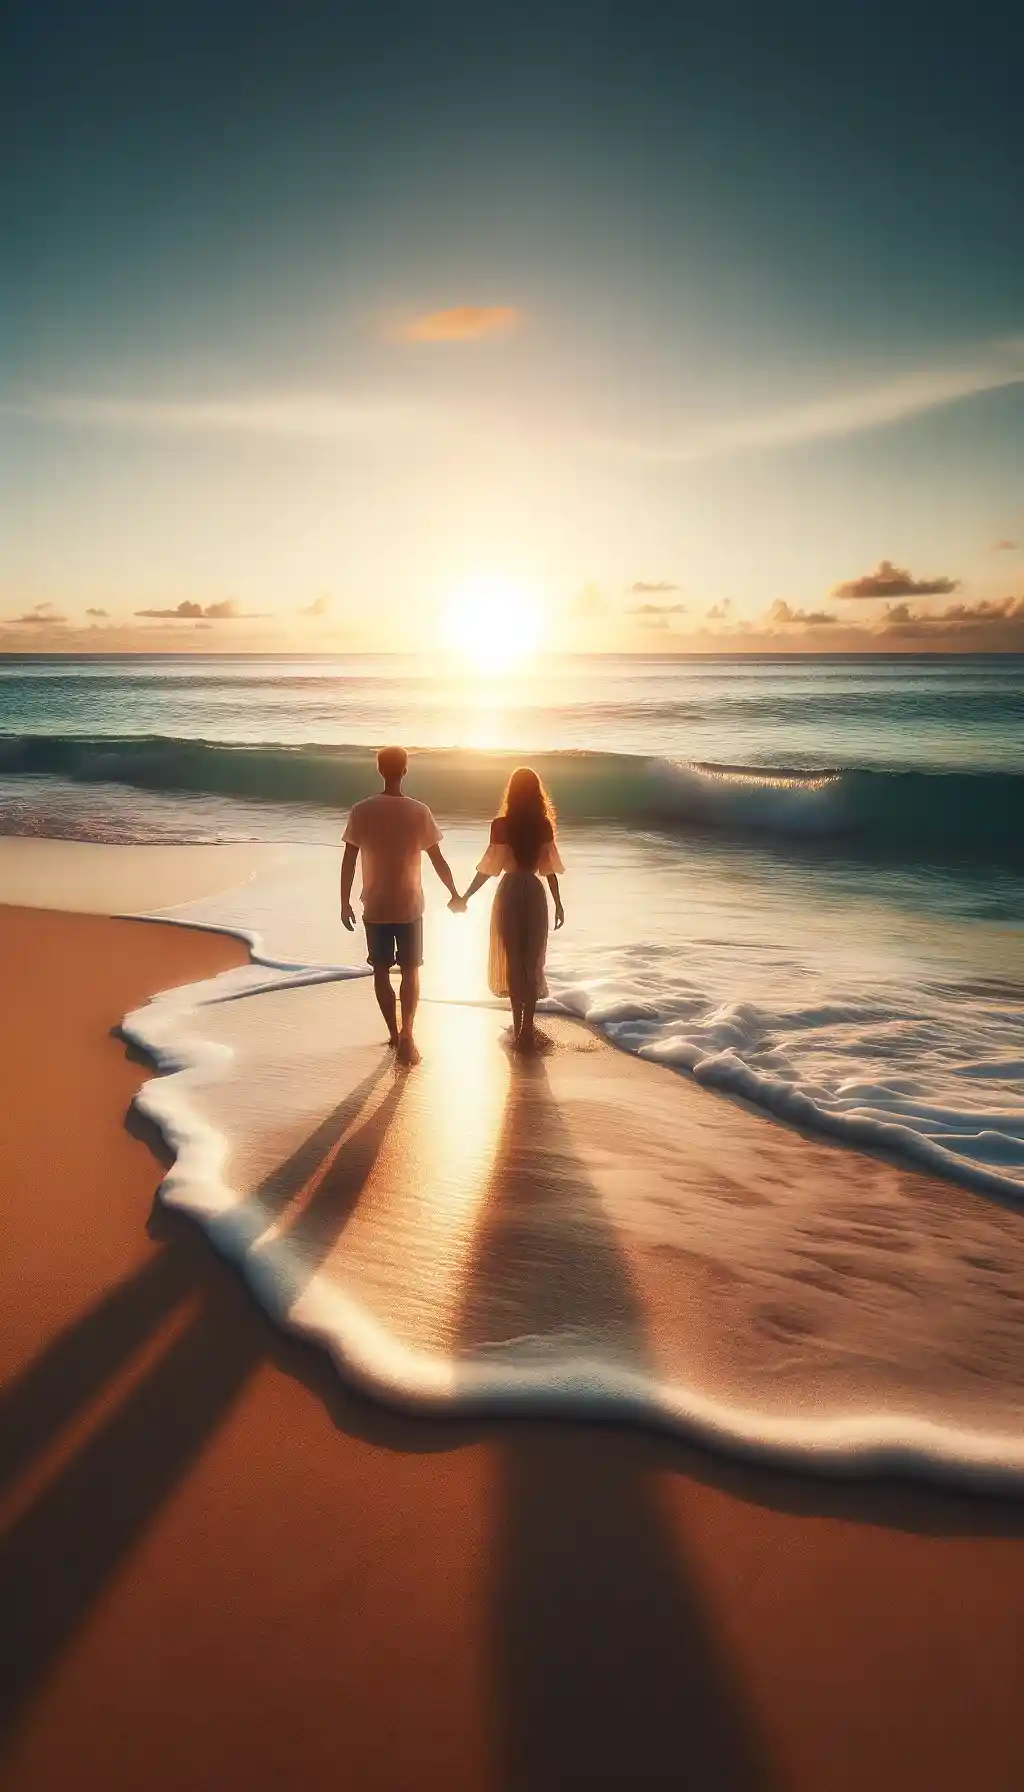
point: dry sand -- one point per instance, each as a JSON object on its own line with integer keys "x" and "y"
{"x": 221, "y": 1569}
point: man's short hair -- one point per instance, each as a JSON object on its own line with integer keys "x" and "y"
{"x": 392, "y": 762}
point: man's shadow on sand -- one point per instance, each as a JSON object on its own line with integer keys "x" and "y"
{"x": 158, "y": 1362}
{"x": 607, "y": 1664}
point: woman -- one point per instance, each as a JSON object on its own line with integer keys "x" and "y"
{"x": 522, "y": 848}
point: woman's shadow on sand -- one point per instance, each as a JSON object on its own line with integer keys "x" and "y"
{"x": 607, "y": 1660}
{"x": 608, "y": 1668}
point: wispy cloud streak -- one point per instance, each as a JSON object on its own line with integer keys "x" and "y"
{"x": 988, "y": 369}
{"x": 329, "y": 418}
{"x": 305, "y": 417}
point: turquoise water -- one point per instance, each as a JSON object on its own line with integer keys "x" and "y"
{"x": 921, "y": 713}
{"x": 918, "y": 760}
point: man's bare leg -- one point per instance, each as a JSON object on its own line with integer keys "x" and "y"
{"x": 382, "y": 989}
{"x": 409, "y": 996}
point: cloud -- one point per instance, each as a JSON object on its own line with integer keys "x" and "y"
{"x": 782, "y": 613}
{"x": 719, "y": 612}
{"x": 641, "y": 586}
{"x": 40, "y": 616}
{"x": 229, "y": 612}
{"x": 987, "y": 625}
{"x": 319, "y": 607}
{"x": 226, "y": 611}
{"x": 988, "y": 367}
{"x": 1004, "y": 547}
{"x": 462, "y": 323}
{"x": 97, "y": 612}
{"x": 987, "y": 614}
{"x": 184, "y": 609}
{"x": 657, "y": 610}
{"x": 888, "y": 580}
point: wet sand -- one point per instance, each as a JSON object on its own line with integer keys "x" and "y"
{"x": 222, "y": 1569}
{"x": 495, "y": 1228}
{"x": 91, "y": 877}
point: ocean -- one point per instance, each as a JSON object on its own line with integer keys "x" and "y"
{"x": 799, "y": 882}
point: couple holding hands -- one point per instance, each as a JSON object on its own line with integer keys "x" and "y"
{"x": 390, "y": 832}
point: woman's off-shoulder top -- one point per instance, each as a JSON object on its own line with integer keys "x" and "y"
{"x": 540, "y": 853}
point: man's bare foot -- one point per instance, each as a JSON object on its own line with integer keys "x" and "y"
{"x": 406, "y": 1050}
{"x": 393, "y": 1042}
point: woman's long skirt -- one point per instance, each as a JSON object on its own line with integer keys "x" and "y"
{"x": 519, "y": 935}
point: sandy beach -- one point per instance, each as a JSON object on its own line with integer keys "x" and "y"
{"x": 223, "y": 1569}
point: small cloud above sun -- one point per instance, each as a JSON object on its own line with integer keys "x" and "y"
{"x": 492, "y": 624}
{"x": 461, "y": 323}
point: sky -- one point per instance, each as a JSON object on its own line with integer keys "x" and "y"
{"x": 686, "y": 327}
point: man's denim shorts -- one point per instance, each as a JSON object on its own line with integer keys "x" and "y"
{"x": 394, "y": 942}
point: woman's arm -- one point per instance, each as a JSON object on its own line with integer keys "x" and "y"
{"x": 478, "y": 883}
{"x": 559, "y": 910}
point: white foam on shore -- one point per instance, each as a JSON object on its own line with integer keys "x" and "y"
{"x": 214, "y": 1097}
{"x": 886, "y": 1070}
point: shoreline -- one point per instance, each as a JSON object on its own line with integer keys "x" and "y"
{"x": 535, "y": 1193}
{"x": 541, "y": 1603}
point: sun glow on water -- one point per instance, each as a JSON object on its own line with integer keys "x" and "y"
{"x": 492, "y": 624}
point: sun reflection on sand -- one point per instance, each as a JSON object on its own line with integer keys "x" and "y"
{"x": 404, "y": 1249}
{"x": 459, "y": 1121}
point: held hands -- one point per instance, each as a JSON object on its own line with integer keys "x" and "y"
{"x": 458, "y": 905}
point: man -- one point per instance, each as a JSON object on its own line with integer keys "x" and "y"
{"x": 391, "y": 831}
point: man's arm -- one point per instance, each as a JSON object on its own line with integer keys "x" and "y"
{"x": 443, "y": 869}
{"x": 348, "y": 871}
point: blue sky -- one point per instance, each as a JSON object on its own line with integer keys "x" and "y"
{"x": 731, "y": 301}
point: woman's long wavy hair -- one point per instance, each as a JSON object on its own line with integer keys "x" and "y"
{"x": 529, "y": 814}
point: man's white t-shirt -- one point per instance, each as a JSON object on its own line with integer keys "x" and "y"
{"x": 391, "y": 832}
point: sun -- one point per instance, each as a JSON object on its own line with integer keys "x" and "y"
{"x": 491, "y": 623}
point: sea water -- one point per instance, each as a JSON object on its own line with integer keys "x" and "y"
{"x": 798, "y": 881}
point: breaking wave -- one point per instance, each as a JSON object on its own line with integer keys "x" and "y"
{"x": 911, "y": 815}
